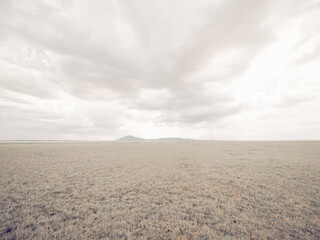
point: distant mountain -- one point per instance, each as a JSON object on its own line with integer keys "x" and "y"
{"x": 130, "y": 138}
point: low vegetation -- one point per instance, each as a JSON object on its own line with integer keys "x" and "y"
{"x": 189, "y": 190}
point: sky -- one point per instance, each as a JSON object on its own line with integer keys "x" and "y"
{"x": 99, "y": 70}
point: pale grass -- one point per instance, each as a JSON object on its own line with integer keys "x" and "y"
{"x": 185, "y": 190}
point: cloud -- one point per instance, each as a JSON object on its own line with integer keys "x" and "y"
{"x": 285, "y": 101}
{"x": 94, "y": 70}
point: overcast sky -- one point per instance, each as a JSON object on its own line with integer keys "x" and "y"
{"x": 215, "y": 69}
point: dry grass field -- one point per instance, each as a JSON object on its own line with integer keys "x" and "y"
{"x": 186, "y": 190}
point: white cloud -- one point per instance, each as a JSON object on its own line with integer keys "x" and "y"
{"x": 210, "y": 69}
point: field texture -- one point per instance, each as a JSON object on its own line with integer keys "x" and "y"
{"x": 190, "y": 190}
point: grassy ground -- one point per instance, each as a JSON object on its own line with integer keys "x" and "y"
{"x": 191, "y": 190}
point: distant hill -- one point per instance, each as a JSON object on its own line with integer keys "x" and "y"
{"x": 130, "y": 138}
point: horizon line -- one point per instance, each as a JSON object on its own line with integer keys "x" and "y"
{"x": 155, "y": 139}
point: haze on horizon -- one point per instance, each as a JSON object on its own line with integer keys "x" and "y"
{"x": 227, "y": 70}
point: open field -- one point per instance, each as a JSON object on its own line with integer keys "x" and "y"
{"x": 186, "y": 190}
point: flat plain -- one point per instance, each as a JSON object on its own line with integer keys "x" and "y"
{"x": 176, "y": 190}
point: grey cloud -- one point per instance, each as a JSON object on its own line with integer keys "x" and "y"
{"x": 206, "y": 113}
{"x": 190, "y": 104}
{"x": 286, "y": 101}
{"x": 29, "y": 85}
{"x": 186, "y": 97}
{"x": 228, "y": 24}
{"x": 217, "y": 32}
{"x": 231, "y": 25}
{"x": 49, "y": 123}
{"x": 178, "y": 59}
{"x": 312, "y": 56}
